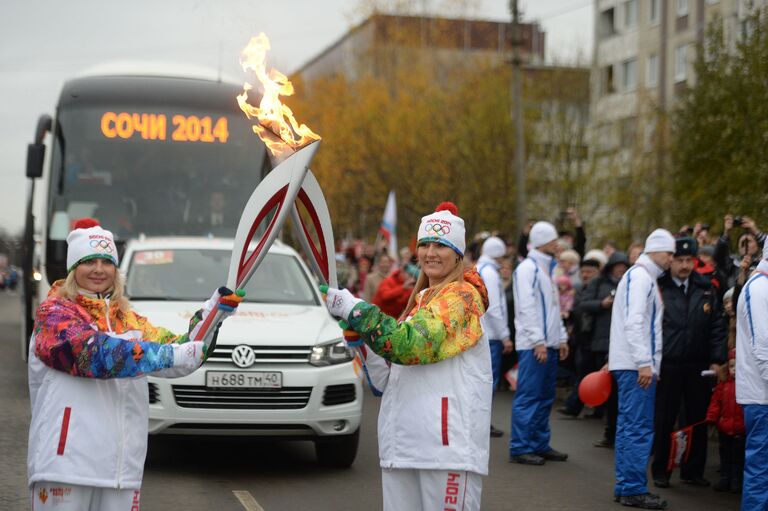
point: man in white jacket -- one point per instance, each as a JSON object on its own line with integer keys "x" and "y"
{"x": 540, "y": 338}
{"x": 634, "y": 358}
{"x": 752, "y": 383}
{"x": 495, "y": 321}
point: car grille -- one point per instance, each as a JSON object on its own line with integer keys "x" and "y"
{"x": 339, "y": 394}
{"x": 153, "y": 394}
{"x": 267, "y": 354}
{"x": 287, "y": 398}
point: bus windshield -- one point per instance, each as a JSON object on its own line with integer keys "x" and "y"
{"x": 153, "y": 171}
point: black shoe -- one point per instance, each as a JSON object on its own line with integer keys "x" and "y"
{"x": 496, "y": 433}
{"x": 527, "y": 459}
{"x": 568, "y": 413}
{"x": 603, "y": 442}
{"x": 697, "y": 481}
{"x": 553, "y": 455}
{"x": 661, "y": 481}
{"x": 644, "y": 501}
{"x": 722, "y": 485}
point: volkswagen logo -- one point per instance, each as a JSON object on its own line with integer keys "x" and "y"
{"x": 243, "y": 356}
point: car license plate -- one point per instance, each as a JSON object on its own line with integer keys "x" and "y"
{"x": 243, "y": 380}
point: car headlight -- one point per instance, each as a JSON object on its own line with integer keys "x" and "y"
{"x": 335, "y": 352}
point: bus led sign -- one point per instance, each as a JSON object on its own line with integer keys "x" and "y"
{"x": 185, "y": 128}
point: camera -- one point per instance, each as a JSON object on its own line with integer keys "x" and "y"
{"x": 737, "y": 221}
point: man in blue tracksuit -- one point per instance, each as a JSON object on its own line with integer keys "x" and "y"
{"x": 495, "y": 321}
{"x": 752, "y": 383}
{"x": 634, "y": 358}
{"x": 540, "y": 338}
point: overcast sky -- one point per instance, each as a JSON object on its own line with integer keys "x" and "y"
{"x": 45, "y": 42}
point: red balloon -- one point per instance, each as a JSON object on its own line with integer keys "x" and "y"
{"x": 595, "y": 388}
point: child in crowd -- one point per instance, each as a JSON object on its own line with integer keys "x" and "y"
{"x": 567, "y": 294}
{"x": 728, "y": 416}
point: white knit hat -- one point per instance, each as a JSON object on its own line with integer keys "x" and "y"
{"x": 494, "y": 248}
{"x": 89, "y": 241}
{"x": 660, "y": 240}
{"x": 444, "y": 226}
{"x": 542, "y": 233}
{"x": 596, "y": 255}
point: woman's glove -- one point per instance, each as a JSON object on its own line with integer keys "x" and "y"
{"x": 188, "y": 355}
{"x": 340, "y": 302}
{"x": 227, "y": 302}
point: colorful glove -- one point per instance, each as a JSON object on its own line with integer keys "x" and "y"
{"x": 340, "y": 302}
{"x": 227, "y": 302}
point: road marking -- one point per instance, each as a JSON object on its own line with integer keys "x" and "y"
{"x": 247, "y": 500}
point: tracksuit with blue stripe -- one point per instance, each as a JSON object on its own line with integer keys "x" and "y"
{"x": 635, "y": 343}
{"x": 537, "y": 322}
{"x": 752, "y": 384}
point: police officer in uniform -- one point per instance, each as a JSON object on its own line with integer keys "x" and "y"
{"x": 695, "y": 339}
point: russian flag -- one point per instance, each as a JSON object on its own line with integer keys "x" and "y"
{"x": 388, "y": 228}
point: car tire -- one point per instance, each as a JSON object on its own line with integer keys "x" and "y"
{"x": 337, "y": 452}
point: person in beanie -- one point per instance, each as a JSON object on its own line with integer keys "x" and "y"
{"x": 434, "y": 369}
{"x": 752, "y": 383}
{"x": 495, "y": 321}
{"x": 695, "y": 340}
{"x": 634, "y": 358}
{"x": 88, "y": 358}
{"x": 540, "y": 339}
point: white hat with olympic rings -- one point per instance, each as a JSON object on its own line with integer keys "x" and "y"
{"x": 444, "y": 226}
{"x": 88, "y": 240}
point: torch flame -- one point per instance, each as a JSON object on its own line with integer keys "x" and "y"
{"x": 276, "y": 127}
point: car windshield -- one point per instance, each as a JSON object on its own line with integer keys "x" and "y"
{"x": 193, "y": 274}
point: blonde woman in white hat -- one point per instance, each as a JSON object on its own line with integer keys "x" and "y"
{"x": 88, "y": 358}
{"x": 434, "y": 369}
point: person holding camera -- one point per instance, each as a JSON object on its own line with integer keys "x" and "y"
{"x": 749, "y": 245}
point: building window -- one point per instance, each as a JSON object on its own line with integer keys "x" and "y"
{"x": 606, "y": 24}
{"x": 655, "y": 14}
{"x": 629, "y": 75}
{"x": 609, "y": 85}
{"x": 652, "y": 72}
{"x": 681, "y": 63}
{"x": 630, "y": 13}
{"x": 682, "y": 7}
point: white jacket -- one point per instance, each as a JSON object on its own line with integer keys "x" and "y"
{"x": 537, "y": 304}
{"x": 636, "y": 319}
{"x": 495, "y": 321}
{"x": 92, "y": 431}
{"x": 453, "y": 399}
{"x": 752, "y": 339}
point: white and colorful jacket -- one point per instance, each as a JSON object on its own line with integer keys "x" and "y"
{"x": 434, "y": 370}
{"x": 495, "y": 321}
{"x": 636, "y": 319}
{"x": 88, "y": 391}
{"x": 537, "y": 304}
{"x": 752, "y": 339}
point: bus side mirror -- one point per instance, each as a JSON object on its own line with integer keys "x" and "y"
{"x": 35, "y": 158}
{"x": 36, "y": 150}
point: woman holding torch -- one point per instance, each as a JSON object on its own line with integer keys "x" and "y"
{"x": 87, "y": 360}
{"x": 434, "y": 368}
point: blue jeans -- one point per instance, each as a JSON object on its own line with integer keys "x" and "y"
{"x": 634, "y": 434}
{"x": 533, "y": 403}
{"x": 755, "y": 494}
{"x": 497, "y": 349}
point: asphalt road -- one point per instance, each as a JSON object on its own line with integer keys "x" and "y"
{"x": 232, "y": 474}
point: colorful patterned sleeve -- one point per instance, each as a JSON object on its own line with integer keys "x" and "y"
{"x": 66, "y": 341}
{"x": 160, "y": 335}
{"x": 447, "y": 326}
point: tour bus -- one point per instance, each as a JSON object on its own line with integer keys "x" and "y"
{"x": 154, "y": 151}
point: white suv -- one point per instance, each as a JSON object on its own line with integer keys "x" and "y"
{"x": 280, "y": 367}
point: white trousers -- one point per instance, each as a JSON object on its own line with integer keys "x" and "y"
{"x": 70, "y": 497}
{"x": 431, "y": 490}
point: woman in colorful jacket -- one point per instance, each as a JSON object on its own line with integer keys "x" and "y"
{"x": 434, "y": 369}
{"x": 88, "y": 358}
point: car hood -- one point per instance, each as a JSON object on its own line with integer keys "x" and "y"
{"x": 291, "y": 325}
